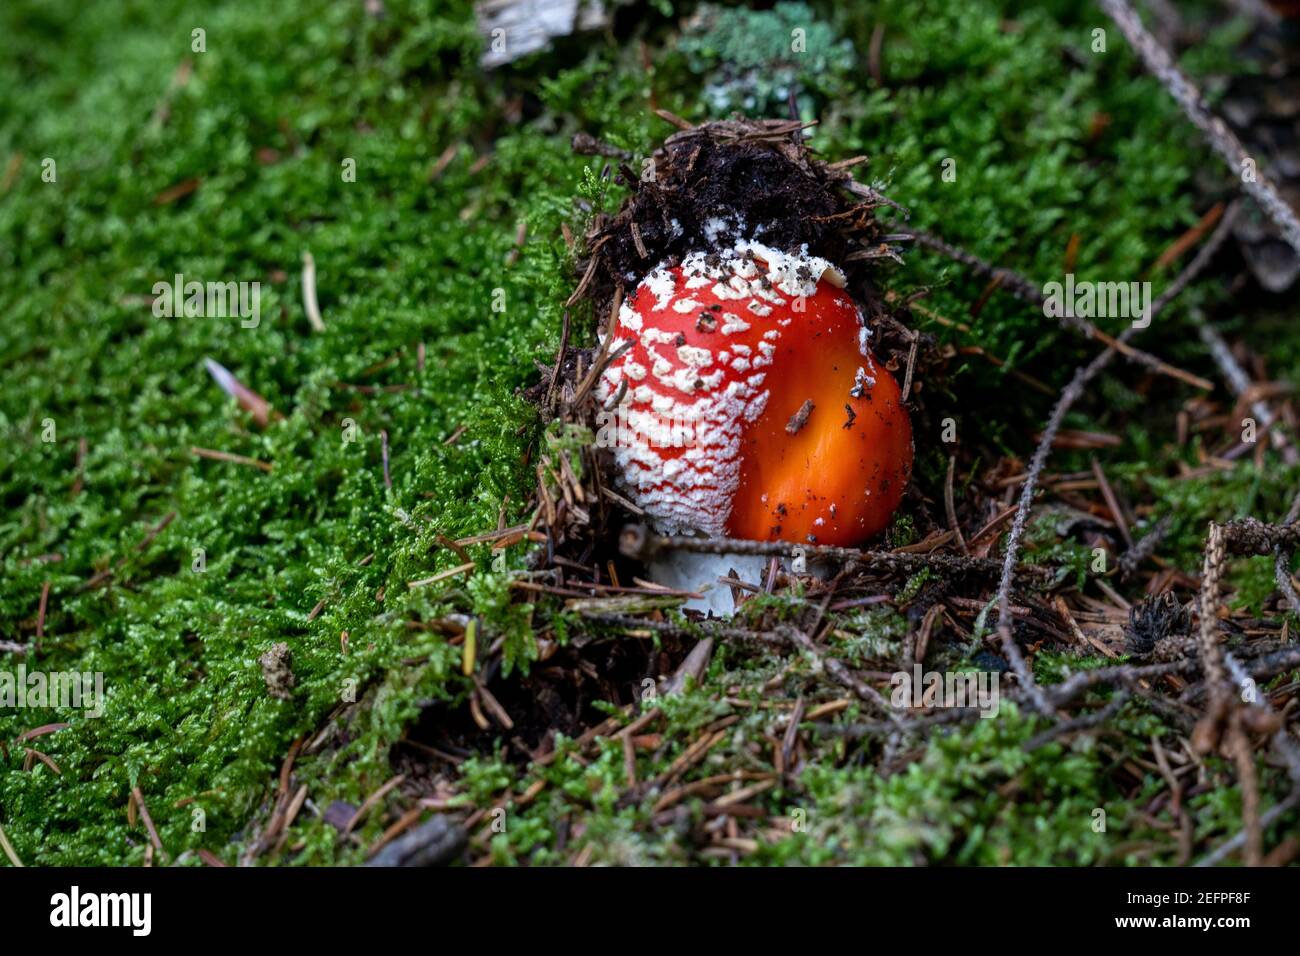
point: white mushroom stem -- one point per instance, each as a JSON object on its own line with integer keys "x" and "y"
{"x": 690, "y": 571}
{"x": 700, "y": 573}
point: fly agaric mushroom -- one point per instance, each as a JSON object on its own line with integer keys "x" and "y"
{"x": 750, "y": 403}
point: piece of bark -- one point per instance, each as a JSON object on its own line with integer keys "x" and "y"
{"x": 514, "y": 28}
{"x": 277, "y": 671}
{"x": 435, "y": 842}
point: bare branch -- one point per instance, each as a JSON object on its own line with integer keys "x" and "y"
{"x": 1072, "y": 392}
{"x": 1158, "y": 61}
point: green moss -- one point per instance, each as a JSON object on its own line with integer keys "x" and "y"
{"x": 974, "y": 797}
{"x": 400, "y": 261}
{"x": 776, "y": 608}
{"x": 1051, "y": 667}
{"x": 868, "y": 637}
{"x": 512, "y": 620}
{"x": 1044, "y": 545}
{"x": 907, "y": 594}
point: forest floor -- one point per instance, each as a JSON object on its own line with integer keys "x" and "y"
{"x": 329, "y": 622}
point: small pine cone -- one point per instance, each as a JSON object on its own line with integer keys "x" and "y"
{"x": 1174, "y": 648}
{"x": 1154, "y": 623}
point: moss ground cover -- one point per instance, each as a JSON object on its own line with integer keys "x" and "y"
{"x": 171, "y": 573}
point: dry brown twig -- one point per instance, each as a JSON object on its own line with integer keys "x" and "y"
{"x": 8, "y": 849}
{"x": 138, "y": 797}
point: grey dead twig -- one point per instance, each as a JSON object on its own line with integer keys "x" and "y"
{"x": 1282, "y": 559}
{"x": 1232, "y": 691}
{"x": 1071, "y": 394}
{"x": 841, "y": 674}
{"x": 1145, "y": 547}
{"x": 1185, "y": 93}
{"x": 1265, "y": 663}
{"x": 1266, "y": 820}
{"x": 1240, "y": 384}
{"x": 1084, "y": 722}
{"x": 1025, "y": 290}
{"x": 637, "y": 541}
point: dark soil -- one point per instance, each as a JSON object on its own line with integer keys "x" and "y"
{"x": 757, "y": 171}
{"x": 558, "y": 696}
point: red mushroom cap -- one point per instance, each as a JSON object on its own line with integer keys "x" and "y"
{"x": 749, "y": 403}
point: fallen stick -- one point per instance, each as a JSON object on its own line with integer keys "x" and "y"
{"x": 1026, "y": 291}
{"x": 232, "y": 458}
{"x": 1241, "y": 384}
{"x": 639, "y": 543}
{"x": 1072, "y": 393}
{"x": 8, "y": 848}
{"x": 148, "y": 820}
{"x": 309, "y": 293}
{"x": 1159, "y": 63}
